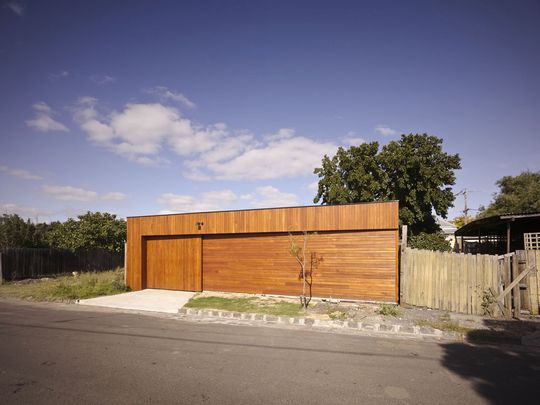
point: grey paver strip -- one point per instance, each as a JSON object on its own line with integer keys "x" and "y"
{"x": 333, "y": 326}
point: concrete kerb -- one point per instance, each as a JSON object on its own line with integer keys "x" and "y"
{"x": 366, "y": 328}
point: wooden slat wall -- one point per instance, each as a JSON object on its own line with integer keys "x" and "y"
{"x": 173, "y": 263}
{"x": 356, "y": 265}
{"x": 353, "y": 217}
{"x": 316, "y": 218}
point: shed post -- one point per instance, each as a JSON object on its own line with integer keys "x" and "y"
{"x": 508, "y": 236}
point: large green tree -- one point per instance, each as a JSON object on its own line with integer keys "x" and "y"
{"x": 517, "y": 194}
{"x": 15, "y": 232}
{"x": 414, "y": 170}
{"x": 91, "y": 230}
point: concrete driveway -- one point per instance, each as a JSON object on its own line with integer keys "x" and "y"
{"x": 145, "y": 300}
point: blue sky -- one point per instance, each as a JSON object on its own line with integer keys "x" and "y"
{"x": 145, "y": 107}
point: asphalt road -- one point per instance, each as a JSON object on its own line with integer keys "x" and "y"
{"x": 52, "y": 353}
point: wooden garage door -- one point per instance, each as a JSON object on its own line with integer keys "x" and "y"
{"x": 173, "y": 263}
{"x": 358, "y": 265}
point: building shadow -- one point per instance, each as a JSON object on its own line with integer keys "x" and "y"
{"x": 499, "y": 367}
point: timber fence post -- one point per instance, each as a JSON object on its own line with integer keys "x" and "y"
{"x": 403, "y": 266}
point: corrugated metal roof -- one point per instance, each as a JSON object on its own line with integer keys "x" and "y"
{"x": 496, "y": 224}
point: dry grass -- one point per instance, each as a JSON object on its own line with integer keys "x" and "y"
{"x": 444, "y": 323}
{"x": 67, "y": 288}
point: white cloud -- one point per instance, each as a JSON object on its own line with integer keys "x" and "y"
{"x": 17, "y": 7}
{"x": 69, "y": 193}
{"x": 164, "y": 94}
{"x": 101, "y": 80}
{"x": 60, "y": 75}
{"x": 385, "y": 130}
{"x": 209, "y": 201}
{"x": 223, "y": 196}
{"x": 352, "y": 140}
{"x": 269, "y": 196}
{"x": 20, "y": 173}
{"x": 221, "y": 148}
{"x": 43, "y": 120}
{"x": 23, "y": 211}
{"x": 137, "y": 132}
{"x": 114, "y": 196}
{"x": 141, "y": 132}
{"x": 190, "y": 138}
{"x": 280, "y": 157}
{"x": 283, "y": 133}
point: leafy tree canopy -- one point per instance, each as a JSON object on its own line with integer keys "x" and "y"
{"x": 430, "y": 241}
{"x": 91, "y": 230}
{"x": 517, "y": 194}
{"x": 15, "y": 232}
{"x": 414, "y": 170}
{"x": 459, "y": 221}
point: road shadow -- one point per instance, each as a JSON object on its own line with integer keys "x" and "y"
{"x": 500, "y": 369}
{"x": 502, "y": 331}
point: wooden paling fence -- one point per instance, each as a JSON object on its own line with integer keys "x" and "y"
{"x": 470, "y": 284}
{"x": 531, "y": 263}
{"x": 20, "y": 263}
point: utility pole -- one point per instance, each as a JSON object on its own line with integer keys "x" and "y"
{"x": 466, "y": 209}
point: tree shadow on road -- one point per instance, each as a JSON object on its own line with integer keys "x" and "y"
{"x": 501, "y": 370}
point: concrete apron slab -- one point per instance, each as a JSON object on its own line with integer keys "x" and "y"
{"x": 166, "y": 301}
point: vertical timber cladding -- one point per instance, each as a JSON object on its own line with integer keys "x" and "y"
{"x": 173, "y": 263}
{"x": 358, "y": 242}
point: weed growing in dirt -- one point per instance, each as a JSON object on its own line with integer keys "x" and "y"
{"x": 389, "y": 310}
{"x": 443, "y": 323}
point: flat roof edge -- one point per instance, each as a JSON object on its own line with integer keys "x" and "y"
{"x": 261, "y": 209}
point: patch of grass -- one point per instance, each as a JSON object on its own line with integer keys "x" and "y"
{"x": 67, "y": 288}
{"x": 247, "y": 304}
{"x": 389, "y": 310}
{"x": 443, "y": 323}
{"x": 337, "y": 315}
{"x": 283, "y": 308}
{"x": 227, "y": 304}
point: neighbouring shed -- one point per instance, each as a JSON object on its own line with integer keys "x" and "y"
{"x": 497, "y": 234}
{"x": 247, "y": 251}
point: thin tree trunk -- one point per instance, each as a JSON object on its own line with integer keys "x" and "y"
{"x": 304, "y": 271}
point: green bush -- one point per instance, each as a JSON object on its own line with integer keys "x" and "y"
{"x": 430, "y": 241}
